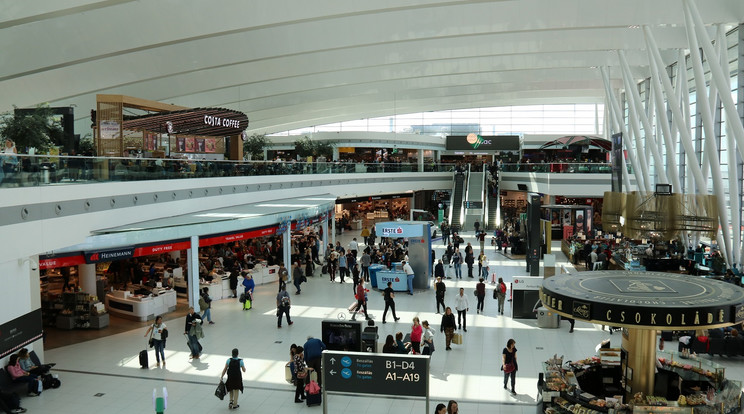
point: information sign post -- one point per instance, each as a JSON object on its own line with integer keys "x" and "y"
{"x": 381, "y": 374}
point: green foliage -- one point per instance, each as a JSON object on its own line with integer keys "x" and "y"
{"x": 305, "y": 147}
{"x": 87, "y": 146}
{"x": 255, "y": 145}
{"x": 37, "y": 130}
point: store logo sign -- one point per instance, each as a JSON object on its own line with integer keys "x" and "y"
{"x": 476, "y": 140}
{"x": 392, "y": 231}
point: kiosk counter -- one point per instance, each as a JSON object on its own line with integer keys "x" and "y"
{"x": 140, "y": 307}
{"x": 397, "y": 276}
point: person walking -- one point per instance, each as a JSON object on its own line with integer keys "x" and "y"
{"x": 297, "y": 276}
{"x": 389, "y": 297}
{"x": 158, "y": 338}
{"x": 354, "y": 247}
{"x": 193, "y": 332}
{"x": 480, "y": 293}
{"x": 509, "y": 363}
{"x": 365, "y": 262}
{"x": 249, "y": 285}
{"x": 332, "y": 264}
{"x": 439, "y": 269}
{"x": 440, "y": 290}
{"x": 205, "y": 304}
{"x": 445, "y": 233}
{"x": 427, "y": 340}
{"x": 313, "y": 355}
{"x": 476, "y": 226}
{"x": 417, "y": 331}
{"x": 409, "y": 276}
{"x": 361, "y": 297}
{"x": 283, "y": 303}
{"x": 481, "y": 236}
{"x": 457, "y": 263}
{"x": 448, "y": 327}
{"x": 462, "y": 306}
{"x": 365, "y": 235}
{"x": 234, "y": 381}
{"x": 500, "y": 293}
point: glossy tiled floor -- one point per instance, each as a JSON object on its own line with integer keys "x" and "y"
{"x": 469, "y": 373}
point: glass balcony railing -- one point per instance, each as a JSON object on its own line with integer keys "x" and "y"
{"x": 560, "y": 168}
{"x": 36, "y": 170}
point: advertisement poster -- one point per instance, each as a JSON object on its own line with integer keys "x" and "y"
{"x": 579, "y": 220}
{"x": 566, "y": 217}
{"x": 109, "y": 129}
{"x": 190, "y": 144}
{"x": 181, "y": 144}
{"x": 200, "y": 145}
{"x": 210, "y": 145}
{"x": 151, "y": 141}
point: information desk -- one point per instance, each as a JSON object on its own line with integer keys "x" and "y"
{"x": 399, "y": 279}
{"x": 138, "y": 307}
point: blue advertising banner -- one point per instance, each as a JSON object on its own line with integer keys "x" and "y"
{"x": 398, "y": 229}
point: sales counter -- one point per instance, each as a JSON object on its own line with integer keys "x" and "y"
{"x": 141, "y": 307}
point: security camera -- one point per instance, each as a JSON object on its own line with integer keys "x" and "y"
{"x": 34, "y": 265}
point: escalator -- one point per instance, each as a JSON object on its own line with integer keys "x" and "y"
{"x": 474, "y": 200}
{"x": 492, "y": 206}
{"x": 456, "y": 201}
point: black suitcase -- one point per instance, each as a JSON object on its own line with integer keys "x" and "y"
{"x": 143, "y": 359}
{"x": 313, "y": 399}
{"x": 324, "y": 269}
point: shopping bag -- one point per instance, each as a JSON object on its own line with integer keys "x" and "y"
{"x": 221, "y": 390}
{"x": 457, "y": 339}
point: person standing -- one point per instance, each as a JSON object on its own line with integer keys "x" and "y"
{"x": 501, "y": 295}
{"x": 440, "y": 290}
{"x": 389, "y": 297}
{"x": 445, "y": 233}
{"x": 481, "y": 236}
{"x": 355, "y": 279}
{"x": 482, "y": 264}
{"x": 297, "y": 276}
{"x": 234, "y": 283}
{"x": 158, "y": 338}
{"x": 417, "y": 331}
{"x": 365, "y": 235}
{"x": 452, "y": 407}
{"x": 469, "y": 259}
{"x": 439, "y": 269}
{"x": 456, "y": 240}
{"x": 509, "y": 363}
{"x": 234, "y": 381}
{"x": 249, "y": 286}
{"x": 427, "y": 340}
{"x": 283, "y": 274}
{"x": 332, "y": 264}
{"x": 409, "y": 276}
{"x": 361, "y": 297}
{"x": 448, "y": 327}
{"x": 205, "y": 304}
{"x": 300, "y": 371}
{"x": 480, "y": 293}
{"x": 365, "y": 262}
{"x": 283, "y": 304}
{"x": 353, "y": 247}
{"x": 193, "y": 332}
{"x": 462, "y": 306}
{"x": 476, "y": 225}
{"x": 313, "y": 355}
{"x": 457, "y": 263}
{"x": 342, "y": 266}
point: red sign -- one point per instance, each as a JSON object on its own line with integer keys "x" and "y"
{"x": 65, "y": 261}
{"x": 228, "y": 238}
{"x": 162, "y": 248}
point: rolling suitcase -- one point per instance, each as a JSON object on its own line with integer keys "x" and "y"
{"x": 143, "y": 359}
{"x": 313, "y": 399}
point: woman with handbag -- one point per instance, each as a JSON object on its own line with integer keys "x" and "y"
{"x": 234, "y": 381}
{"x": 509, "y": 363}
{"x": 157, "y": 340}
{"x": 301, "y": 373}
{"x": 427, "y": 340}
{"x": 448, "y": 327}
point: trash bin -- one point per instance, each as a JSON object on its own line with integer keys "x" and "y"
{"x": 547, "y": 319}
{"x": 45, "y": 174}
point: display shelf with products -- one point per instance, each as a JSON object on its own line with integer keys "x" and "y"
{"x": 79, "y": 310}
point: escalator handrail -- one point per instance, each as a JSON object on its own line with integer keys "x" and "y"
{"x": 466, "y": 186}
{"x": 452, "y": 198}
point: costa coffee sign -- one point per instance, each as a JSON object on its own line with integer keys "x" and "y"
{"x": 216, "y": 121}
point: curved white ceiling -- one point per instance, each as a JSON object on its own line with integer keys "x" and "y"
{"x": 295, "y": 63}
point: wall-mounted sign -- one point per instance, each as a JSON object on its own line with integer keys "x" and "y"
{"x": 369, "y": 373}
{"x": 20, "y": 332}
{"x": 213, "y": 121}
{"x": 482, "y": 143}
{"x": 109, "y": 255}
{"x": 109, "y": 129}
{"x": 397, "y": 229}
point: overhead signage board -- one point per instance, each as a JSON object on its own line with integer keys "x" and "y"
{"x": 371, "y": 373}
{"x": 483, "y": 143}
{"x": 397, "y": 229}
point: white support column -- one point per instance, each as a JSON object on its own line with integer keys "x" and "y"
{"x": 287, "y": 248}
{"x": 87, "y": 278}
{"x": 719, "y": 76}
{"x": 658, "y": 68}
{"x": 636, "y": 133}
{"x": 324, "y": 240}
{"x": 420, "y": 160}
{"x": 641, "y": 114}
{"x": 731, "y": 155}
{"x": 617, "y": 115}
{"x": 333, "y": 226}
{"x": 711, "y": 149}
{"x": 193, "y": 273}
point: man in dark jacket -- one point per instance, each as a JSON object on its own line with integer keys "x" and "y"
{"x": 313, "y": 352}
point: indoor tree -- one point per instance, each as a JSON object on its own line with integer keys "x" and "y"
{"x": 37, "y": 130}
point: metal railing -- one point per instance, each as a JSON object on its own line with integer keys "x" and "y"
{"x": 560, "y": 168}
{"x": 35, "y": 170}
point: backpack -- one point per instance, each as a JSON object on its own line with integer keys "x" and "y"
{"x": 502, "y": 287}
{"x": 203, "y": 304}
{"x": 285, "y": 301}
